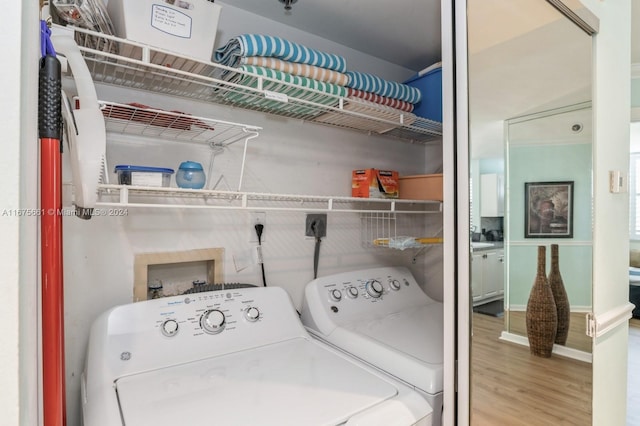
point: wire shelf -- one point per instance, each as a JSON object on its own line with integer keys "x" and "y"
{"x": 144, "y": 67}
{"x": 163, "y": 197}
{"x": 387, "y": 229}
{"x": 141, "y": 120}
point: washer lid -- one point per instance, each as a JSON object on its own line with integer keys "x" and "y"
{"x": 417, "y": 332}
{"x": 408, "y": 345}
{"x": 288, "y": 383}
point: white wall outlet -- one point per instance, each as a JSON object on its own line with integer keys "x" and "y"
{"x": 617, "y": 182}
{"x": 257, "y": 218}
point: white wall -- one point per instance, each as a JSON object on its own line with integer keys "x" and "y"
{"x": 610, "y": 237}
{"x": 18, "y": 252}
{"x": 10, "y": 226}
{"x": 291, "y": 157}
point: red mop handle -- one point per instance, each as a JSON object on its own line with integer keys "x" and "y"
{"x": 50, "y": 133}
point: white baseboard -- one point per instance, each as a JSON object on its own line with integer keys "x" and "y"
{"x": 557, "y": 349}
{"x": 573, "y": 309}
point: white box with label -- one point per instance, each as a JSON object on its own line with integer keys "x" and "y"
{"x": 187, "y": 27}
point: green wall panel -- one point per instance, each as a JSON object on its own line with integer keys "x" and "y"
{"x": 575, "y": 267}
{"x": 549, "y": 163}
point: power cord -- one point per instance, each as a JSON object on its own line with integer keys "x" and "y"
{"x": 317, "y": 231}
{"x": 259, "y": 228}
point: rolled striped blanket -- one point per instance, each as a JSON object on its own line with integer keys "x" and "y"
{"x": 303, "y": 70}
{"x": 263, "y": 45}
{"x": 372, "y": 97}
{"x": 330, "y": 97}
{"x": 390, "y": 89}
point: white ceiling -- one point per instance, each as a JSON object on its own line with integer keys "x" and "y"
{"x": 524, "y": 58}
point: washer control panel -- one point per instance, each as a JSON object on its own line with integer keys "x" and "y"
{"x": 206, "y": 313}
{"x": 358, "y": 295}
{"x": 172, "y": 330}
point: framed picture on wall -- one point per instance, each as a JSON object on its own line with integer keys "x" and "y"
{"x": 548, "y": 209}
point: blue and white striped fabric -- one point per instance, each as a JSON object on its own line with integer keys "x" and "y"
{"x": 263, "y": 45}
{"x": 390, "y": 89}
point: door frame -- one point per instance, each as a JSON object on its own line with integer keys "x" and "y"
{"x": 611, "y": 118}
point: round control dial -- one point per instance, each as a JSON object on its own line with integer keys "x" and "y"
{"x": 212, "y": 321}
{"x": 352, "y": 292}
{"x": 374, "y": 288}
{"x": 252, "y": 313}
{"x": 335, "y": 295}
{"x": 394, "y": 284}
{"x": 169, "y": 327}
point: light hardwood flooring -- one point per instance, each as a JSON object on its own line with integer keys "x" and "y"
{"x": 577, "y": 338}
{"x": 509, "y": 386}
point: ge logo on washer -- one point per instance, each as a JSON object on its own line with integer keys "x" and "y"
{"x": 125, "y": 356}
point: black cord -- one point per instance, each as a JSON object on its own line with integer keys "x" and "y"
{"x": 316, "y": 253}
{"x": 259, "y": 228}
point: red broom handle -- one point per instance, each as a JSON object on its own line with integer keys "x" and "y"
{"x": 50, "y": 132}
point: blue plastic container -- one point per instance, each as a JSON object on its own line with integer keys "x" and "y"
{"x": 430, "y": 84}
{"x": 143, "y": 175}
{"x": 190, "y": 175}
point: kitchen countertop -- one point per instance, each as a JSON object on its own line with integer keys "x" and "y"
{"x": 485, "y": 245}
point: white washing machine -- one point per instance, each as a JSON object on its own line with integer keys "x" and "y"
{"x": 382, "y": 317}
{"x": 230, "y": 358}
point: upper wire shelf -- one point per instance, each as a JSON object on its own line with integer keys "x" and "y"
{"x": 125, "y": 63}
{"x": 136, "y": 119}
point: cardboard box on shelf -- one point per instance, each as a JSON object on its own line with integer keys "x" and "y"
{"x": 374, "y": 183}
{"x": 421, "y": 187}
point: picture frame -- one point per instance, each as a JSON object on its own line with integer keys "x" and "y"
{"x": 548, "y": 209}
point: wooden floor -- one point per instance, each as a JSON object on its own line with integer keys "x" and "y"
{"x": 509, "y": 386}
{"x": 576, "y": 339}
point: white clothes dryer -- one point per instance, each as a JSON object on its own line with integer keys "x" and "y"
{"x": 231, "y": 358}
{"x": 382, "y": 317}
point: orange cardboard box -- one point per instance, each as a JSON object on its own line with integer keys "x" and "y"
{"x": 373, "y": 183}
{"x": 421, "y": 187}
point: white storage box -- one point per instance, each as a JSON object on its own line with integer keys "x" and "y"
{"x": 187, "y": 27}
{"x": 143, "y": 175}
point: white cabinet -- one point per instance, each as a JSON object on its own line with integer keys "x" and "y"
{"x": 487, "y": 275}
{"x": 491, "y": 195}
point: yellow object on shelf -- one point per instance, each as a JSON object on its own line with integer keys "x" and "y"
{"x": 401, "y": 242}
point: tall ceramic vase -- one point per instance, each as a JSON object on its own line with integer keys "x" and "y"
{"x": 560, "y": 297}
{"x": 542, "y": 318}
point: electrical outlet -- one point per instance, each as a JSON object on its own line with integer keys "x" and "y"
{"x": 321, "y": 222}
{"x": 256, "y": 218}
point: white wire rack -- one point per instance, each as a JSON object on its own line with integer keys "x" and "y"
{"x": 144, "y": 67}
{"x": 141, "y": 120}
{"x": 387, "y": 229}
{"x": 159, "y": 197}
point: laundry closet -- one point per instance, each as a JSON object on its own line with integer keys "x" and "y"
{"x": 276, "y": 166}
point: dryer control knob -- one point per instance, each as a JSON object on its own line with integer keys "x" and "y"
{"x": 335, "y": 295}
{"x": 212, "y": 321}
{"x": 374, "y": 288}
{"x": 394, "y": 284}
{"x": 169, "y": 327}
{"x": 252, "y": 314}
{"x": 352, "y": 292}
